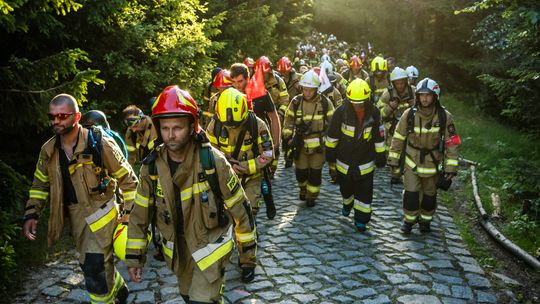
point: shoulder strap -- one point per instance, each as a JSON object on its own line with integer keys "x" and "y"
{"x": 442, "y": 128}
{"x": 208, "y": 163}
{"x": 254, "y": 132}
{"x": 239, "y": 142}
{"x": 410, "y": 120}
{"x": 95, "y": 145}
{"x": 217, "y": 130}
{"x": 324, "y": 102}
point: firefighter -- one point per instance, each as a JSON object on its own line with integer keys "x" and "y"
{"x": 209, "y": 89}
{"x": 99, "y": 119}
{"x": 277, "y": 89}
{"x": 275, "y": 85}
{"x": 245, "y": 141}
{"x": 378, "y": 79}
{"x": 78, "y": 172}
{"x": 333, "y": 92}
{"x": 140, "y": 134}
{"x": 424, "y": 150}
{"x": 413, "y": 74}
{"x": 355, "y": 70}
{"x": 221, "y": 81}
{"x": 291, "y": 78}
{"x": 356, "y": 126}
{"x": 306, "y": 121}
{"x": 195, "y": 196}
{"x": 394, "y": 100}
{"x": 250, "y": 63}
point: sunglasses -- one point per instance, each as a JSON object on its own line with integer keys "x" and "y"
{"x": 129, "y": 122}
{"x": 60, "y": 116}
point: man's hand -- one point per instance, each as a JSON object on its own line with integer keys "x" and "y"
{"x": 135, "y": 274}
{"x": 394, "y": 104}
{"x": 29, "y": 229}
{"x": 239, "y": 169}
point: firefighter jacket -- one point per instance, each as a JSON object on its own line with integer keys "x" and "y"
{"x": 422, "y": 151}
{"x": 208, "y": 242}
{"x": 404, "y": 102}
{"x": 228, "y": 138}
{"x": 140, "y": 144}
{"x": 101, "y": 209}
{"x": 355, "y": 148}
{"x": 278, "y": 90}
{"x": 349, "y": 76}
{"x": 209, "y": 112}
{"x": 377, "y": 88}
{"x": 335, "y": 97}
{"x": 293, "y": 86}
{"x": 307, "y": 121}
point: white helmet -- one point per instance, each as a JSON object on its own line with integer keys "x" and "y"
{"x": 327, "y": 66}
{"x": 428, "y": 86}
{"x": 412, "y": 72}
{"x": 325, "y": 57}
{"x": 398, "y": 73}
{"x": 310, "y": 79}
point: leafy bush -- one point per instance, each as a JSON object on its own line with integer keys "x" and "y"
{"x": 13, "y": 187}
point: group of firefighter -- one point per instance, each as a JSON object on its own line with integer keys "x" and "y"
{"x": 204, "y": 170}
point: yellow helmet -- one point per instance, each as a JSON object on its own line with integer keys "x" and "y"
{"x": 358, "y": 91}
{"x": 378, "y": 64}
{"x": 232, "y": 108}
{"x": 120, "y": 240}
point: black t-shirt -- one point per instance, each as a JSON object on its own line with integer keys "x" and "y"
{"x": 70, "y": 196}
{"x": 262, "y": 106}
{"x": 173, "y": 165}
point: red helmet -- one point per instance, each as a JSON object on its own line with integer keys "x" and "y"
{"x": 249, "y": 62}
{"x": 284, "y": 65}
{"x": 174, "y": 102}
{"x": 222, "y": 80}
{"x": 355, "y": 62}
{"x": 264, "y": 63}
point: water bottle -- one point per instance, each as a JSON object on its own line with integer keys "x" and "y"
{"x": 204, "y": 197}
{"x": 264, "y": 187}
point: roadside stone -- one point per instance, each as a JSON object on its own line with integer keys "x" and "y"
{"x": 54, "y": 291}
{"x": 422, "y": 277}
{"x": 415, "y": 266}
{"x": 354, "y": 269}
{"x": 314, "y": 286}
{"x": 236, "y": 295}
{"x": 439, "y": 264}
{"x": 462, "y": 292}
{"x": 447, "y": 279}
{"x": 145, "y": 297}
{"x": 416, "y": 288}
{"x": 259, "y": 285}
{"x": 306, "y": 298}
{"x": 48, "y": 282}
{"x": 139, "y": 286}
{"x": 269, "y": 295}
{"x": 362, "y": 293}
{"x": 477, "y": 281}
{"x": 471, "y": 268}
{"x": 371, "y": 277}
{"x": 291, "y": 288}
{"x": 506, "y": 280}
{"x": 398, "y": 278}
{"x": 350, "y": 284}
{"x": 74, "y": 279}
{"x": 485, "y": 297}
{"x": 78, "y": 295}
{"x": 441, "y": 289}
{"x": 301, "y": 279}
{"x": 168, "y": 293}
{"x": 418, "y": 299}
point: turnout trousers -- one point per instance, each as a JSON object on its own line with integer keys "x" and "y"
{"x": 308, "y": 169}
{"x": 357, "y": 193}
{"x": 420, "y": 197}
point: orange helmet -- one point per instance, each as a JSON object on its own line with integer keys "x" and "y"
{"x": 284, "y": 65}
{"x": 174, "y": 102}
{"x": 222, "y": 80}
{"x": 355, "y": 62}
{"x": 249, "y": 62}
{"x": 264, "y": 63}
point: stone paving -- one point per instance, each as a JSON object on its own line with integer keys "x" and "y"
{"x": 314, "y": 255}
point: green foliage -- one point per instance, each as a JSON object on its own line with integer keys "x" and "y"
{"x": 13, "y": 188}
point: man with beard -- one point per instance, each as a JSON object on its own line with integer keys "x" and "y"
{"x": 424, "y": 150}
{"x": 195, "y": 196}
{"x": 79, "y": 170}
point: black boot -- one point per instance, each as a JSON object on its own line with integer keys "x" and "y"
{"x": 424, "y": 227}
{"x": 122, "y": 295}
{"x": 406, "y": 227}
{"x": 248, "y": 274}
{"x": 310, "y": 203}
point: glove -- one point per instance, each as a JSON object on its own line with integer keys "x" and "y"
{"x": 395, "y": 175}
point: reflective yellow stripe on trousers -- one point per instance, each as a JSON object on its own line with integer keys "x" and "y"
{"x": 102, "y": 217}
{"x": 212, "y": 252}
{"x": 108, "y": 298}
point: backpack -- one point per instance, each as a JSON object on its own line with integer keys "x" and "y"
{"x": 95, "y": 148}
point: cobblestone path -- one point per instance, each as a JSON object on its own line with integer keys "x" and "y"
{"x": 314, "y": 255}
